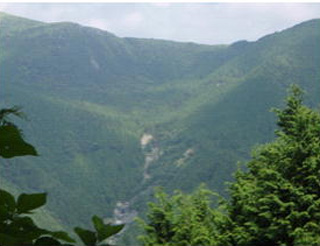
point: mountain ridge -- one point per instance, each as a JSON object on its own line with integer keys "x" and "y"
{"x": 92, "y": 96}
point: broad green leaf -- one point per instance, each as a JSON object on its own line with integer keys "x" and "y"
{"x": 105, "y": 230}
{"x": 23, "y": 228}
{"x": 24, "y": 222}
{"x": 98, "y": 224}
{"x": 62, "y": 236}
{"x": 110, "y": 230}
{"x": 28, "y": 202}
{"x": 47, "y": 241}
{"x": 5, "y": 214}
{"x": 87, "y": 237}
{"x": 7, "y": 200}
{"x": 8, "y": 240}
{"x": 12, "y": 143}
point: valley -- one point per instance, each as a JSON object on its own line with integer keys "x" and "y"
{"x": 113, "y": 117}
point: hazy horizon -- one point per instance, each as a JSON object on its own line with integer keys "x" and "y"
{"x": 205, "y": 23}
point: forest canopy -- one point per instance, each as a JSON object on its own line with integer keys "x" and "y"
{"x": 275, "y": 201}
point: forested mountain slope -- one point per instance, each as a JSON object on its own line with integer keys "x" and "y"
{"x": 92, "y": 96}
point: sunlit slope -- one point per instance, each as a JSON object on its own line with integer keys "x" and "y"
{"x": 225, "y": 126}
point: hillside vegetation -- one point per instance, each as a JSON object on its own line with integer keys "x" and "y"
{"x": 91, "y": 96}
{"x": 274, "y": 202}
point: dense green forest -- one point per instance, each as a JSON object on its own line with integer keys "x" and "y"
{"x": 275, "y": 201}
{"x": 112, "y": 117}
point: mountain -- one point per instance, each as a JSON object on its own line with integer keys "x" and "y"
{"x": 113, "y": 117}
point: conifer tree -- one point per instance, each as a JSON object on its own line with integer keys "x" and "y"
{"x": 277, "y": 201}
{"x": 180, "y": 220}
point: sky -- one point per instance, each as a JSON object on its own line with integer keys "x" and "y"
{"x": 206, "y": 23}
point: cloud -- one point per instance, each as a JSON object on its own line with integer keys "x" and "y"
{"x": 133, "y": 19}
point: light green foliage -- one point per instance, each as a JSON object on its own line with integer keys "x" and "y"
{"x": 181, "y": 219}
{"x": 277, "y": 201}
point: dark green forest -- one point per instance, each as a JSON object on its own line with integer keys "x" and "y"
{"x": 111, "y": 118}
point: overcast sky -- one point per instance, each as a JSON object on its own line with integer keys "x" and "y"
{"x": 208, "y": 23}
